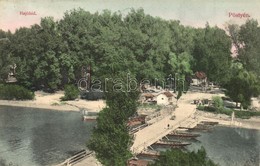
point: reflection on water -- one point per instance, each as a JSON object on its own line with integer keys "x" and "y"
{"x": 32, "y": 137}
{"x": 231, "y": 146}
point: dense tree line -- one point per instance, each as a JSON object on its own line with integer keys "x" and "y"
{"x": 52, "y": 54}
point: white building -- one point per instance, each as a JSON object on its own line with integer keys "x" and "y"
{"x": 162, "y": 99}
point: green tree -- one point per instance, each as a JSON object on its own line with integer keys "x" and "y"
{"x": 110, "y": 139}
{"x": 47, "y": 71}
{"x": 71, "y": 92}
{"x": 5, "y": 56}
{"x": 178, "y": 157}
{"x": 242, "y": 85}
{"x": 179, "y": 94}
{"x": 246, "y": 38}
{"x": 180, "y": 64}
{"x": 37, "y": 65}
{"x": 212, "y": 53}
{"x": 217, "y": 102}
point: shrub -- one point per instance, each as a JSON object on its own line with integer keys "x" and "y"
{"x": 246, "y": 114}
{"x": 227, "y": 111}
{"x": 71, "y": 93}
{"x": 178, "y": 157}
{"x": 210, "y": 109}
{"x": 15, "y": 92}
{"x": 217, "y": 102}
{"x": 201, "y": 107}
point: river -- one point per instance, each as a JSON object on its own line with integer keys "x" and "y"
{"x": 231, "y": 146}
{"x": 35, "y": 137}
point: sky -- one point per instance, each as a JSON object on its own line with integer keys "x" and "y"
{"x": 190, "y": 12}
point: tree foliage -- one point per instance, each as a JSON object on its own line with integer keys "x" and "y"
{"x": 110, "y": 139}
{"x": 212, "y": 53}
{"x": 178, "y": 157}
{"x": 148, "y": 47}
{"x": 15, "y": 92}
{"x": 6, "y": 58}
{"x": 244, "y": 79}
{"x": 71, "y": 92}
{"x": 217, "y": 102}
{"x": 246, "y": 40}
{"x": 242, "y": 85}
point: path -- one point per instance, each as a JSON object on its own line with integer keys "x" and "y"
{"x": 156, "y": 131}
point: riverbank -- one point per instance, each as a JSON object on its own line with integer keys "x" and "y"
{"x": 225, "y": 120}
{"x": 52, "y": 102}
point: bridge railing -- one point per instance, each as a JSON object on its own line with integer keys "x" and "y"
{"x": 76, "y": 158}
{"x": 144, "y": 145}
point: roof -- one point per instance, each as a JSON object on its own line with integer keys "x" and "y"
{"x": 200, "y": 75}
{"x": 168, "y": 94}
{"x": 148, "y": 95}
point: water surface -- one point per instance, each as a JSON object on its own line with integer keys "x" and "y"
{"x": 231, "y": 146}
{"x": 35, "y": 137}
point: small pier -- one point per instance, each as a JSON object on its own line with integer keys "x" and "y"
{"x": 88, "y": 116}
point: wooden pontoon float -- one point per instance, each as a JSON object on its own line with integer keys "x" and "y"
{"x": 202, "y": 129}
{"x": 89, "y": 118}
{"x": 184, "y": 135}
{"x": 172, "y": 144}
{"x": 149, "y": 154}
{"x": 206, "y": 126}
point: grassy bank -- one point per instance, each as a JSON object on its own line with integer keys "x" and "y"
{"x": 228, "y": 111}
{"x": 150, "y": 106}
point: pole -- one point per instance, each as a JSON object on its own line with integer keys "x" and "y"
{"x": 175, "y": 82}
